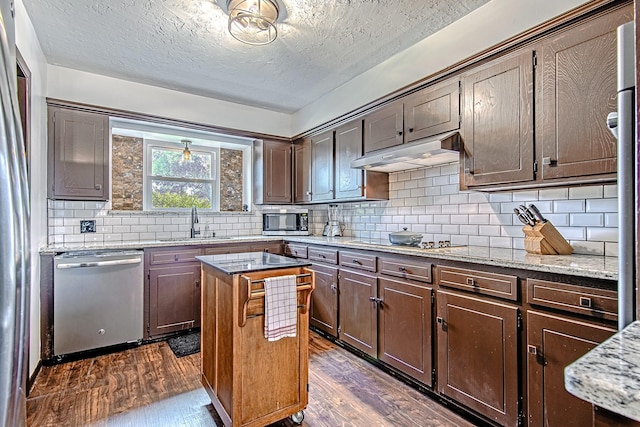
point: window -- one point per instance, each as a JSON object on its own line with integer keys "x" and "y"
{"x": 172, "y": 183}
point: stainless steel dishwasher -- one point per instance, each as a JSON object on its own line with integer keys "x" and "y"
{"x": 97, "y": 300}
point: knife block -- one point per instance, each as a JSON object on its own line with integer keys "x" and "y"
{"x": 544, "y": 239}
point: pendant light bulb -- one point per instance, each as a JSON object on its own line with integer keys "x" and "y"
{"x": 186, "y": 153}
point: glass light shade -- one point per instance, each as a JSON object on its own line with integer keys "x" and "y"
{"x": 253, "y": 21}
{"x": 186, "y": 153}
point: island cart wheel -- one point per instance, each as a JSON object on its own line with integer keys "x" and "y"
{"x": 298, "y": 417}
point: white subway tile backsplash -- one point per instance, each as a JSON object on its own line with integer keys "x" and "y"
{"x": 602, "y": 205}
{"x": 588, "y": 248}
{"x": 450, "y": 169}
{"x": 570, "y": 206}
{"x": 553, "y": 194}
{"x": 489, "y": 230}
{"x": 459, "y": 219}
{"x": 73, "y": 205}
{"x": 442, "y": 219}
{"x": 586, "y": 192}
{"x": 441, "y": 200}
{"x": 500, "y": 197}
{"x": 586, "y": 219}
{"x": 478, "y": 240}
{"x": 611, "y": 220}
{"x": 479, "y": 219}
{"x": 470, "y": 230}
{"x": 468, "y": 208}
{"x": 573, "y": 233}
{"x": 500, "y": 242}
{"x": 450, "y": 209}
{"x": 610, "y": 191}
{"x": 512, "y": 231}
{"x": 459, "y": 199}
{"x": 602, "y": 234}
{"x": 451, "y": 229}
{"x": 610, "y": 249}
{"x": 525, "y": 196}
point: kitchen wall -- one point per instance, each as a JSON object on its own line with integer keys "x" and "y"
{"x": 425, "y": 200}
{"x": 428, "y": 201}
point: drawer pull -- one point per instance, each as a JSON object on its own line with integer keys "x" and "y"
{"x": 403, "y": 269}
{"x": 532, "y": 349}
{"x": 322, "y": 255}
{"x": 585, "y": 302}
{"x": 471, "y": 282}
{"x": 355, "y": 261}
{"x": 334, "y": 288}
{"x": 439, "y": 320}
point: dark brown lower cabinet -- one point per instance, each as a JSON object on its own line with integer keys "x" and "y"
{"x": 404, "y": 330}
{"x": 174, "y": 298}
{"x": 478, "y": 355}
{"x": 358, "y": 311}
{"x": 552, "y": 344}
{"x": 604, "y": 418}
{"x": 324, "y": 299}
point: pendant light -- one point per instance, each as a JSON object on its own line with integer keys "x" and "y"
{"x": 253, "y": 21}
{"x": 186, "y": 153}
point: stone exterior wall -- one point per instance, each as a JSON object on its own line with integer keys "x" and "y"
{"x": 231, "y": 180}
{"x": 127, "y": 179}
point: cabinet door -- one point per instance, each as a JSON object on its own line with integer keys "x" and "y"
{"x": 433, "y": 110}
{"x": 302, "y": 171}
{"x": 498, "y": 121}
{"x": 404, "y": 338}
{"x": 384, "y": 127}
{"x": 277, "y": 172}
{"x": 349, "y": 182}
{"x": 357, "y": 311}
{"x": 79, "y": 159}
{"x": 578, "y": 90}
{"x": 478, "y": 355}
{"x": 174, "y": 298}
{"x": 324, "y": 299}
{"x": 322, "y": 171}
{"x": 553, "y": 343}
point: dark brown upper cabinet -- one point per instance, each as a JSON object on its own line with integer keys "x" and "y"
{"x": 497, "y": 127}
{"x": 302, "y": 172}
{"x": 384, "y": 127}
{"x": 576, "y": 91}
{"x": 353, "y": 184}
{"x": 427, "y": 112}
{"x": 272, "y": 171}
{"x": 78, "y": 155}
{"x": 322, "y": 150}
{"x": 432, "y": 110}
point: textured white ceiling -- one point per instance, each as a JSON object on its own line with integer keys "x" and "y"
{"x": 184, "y": 44}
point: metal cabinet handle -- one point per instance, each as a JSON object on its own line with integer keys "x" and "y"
{"x": 355, "y": 261}
{"x": 532, "y": 349}
{"x": 439, "y": 320}
{"x": 410, "y": 130}
{"x": 98, "y": 187}
{"x": 334, "y": 288}
{"x": 585, "y": 302}
{"x": 175, "y": 257}
{"x": 471, "y": 282}
{"x": 322, "y": 255}
{"x": 468, "y": 171}
{"x": 403, "y": 269}
{"x": 197, "y": 283}
{"x": 308, "y": 193}
{"x": 399, "y": 133}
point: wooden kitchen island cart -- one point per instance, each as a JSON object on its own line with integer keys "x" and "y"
{"x": 252, "y": 381}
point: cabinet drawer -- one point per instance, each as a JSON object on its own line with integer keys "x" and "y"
{"x": 405, "y": 268}
{"x": 479, "y": 282}
{"x": 296, "y": 251}
{"x": 358, "y": 260}
{"x": 600, "y": 303}
{"x": 272, "y": 248}
{"x": 226, "y": 249}
{"x": 329, "y": 256}
{"x": 167, "y": 256}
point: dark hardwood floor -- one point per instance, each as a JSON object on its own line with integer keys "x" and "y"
{"x": 149, "y": 386}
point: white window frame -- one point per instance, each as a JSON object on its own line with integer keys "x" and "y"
{"x": 149, "y": 145}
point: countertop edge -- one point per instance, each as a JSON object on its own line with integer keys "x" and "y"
{"x": 609, "y": 375}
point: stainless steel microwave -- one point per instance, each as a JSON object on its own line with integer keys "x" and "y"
{"x": 285, "y": 222}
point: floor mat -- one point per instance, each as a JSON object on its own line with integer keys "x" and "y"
{"x": 185, "y": 345}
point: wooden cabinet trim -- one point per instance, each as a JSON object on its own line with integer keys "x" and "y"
{"x": 479, "y": 282}
{"x": 597, "y": 303}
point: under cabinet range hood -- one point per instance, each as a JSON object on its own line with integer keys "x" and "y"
{"x": 435, "y": 150}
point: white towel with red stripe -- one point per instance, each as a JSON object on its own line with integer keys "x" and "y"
{"x": 280, "y": 307}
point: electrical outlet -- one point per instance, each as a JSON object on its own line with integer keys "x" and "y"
{"x": 87, "y": 226}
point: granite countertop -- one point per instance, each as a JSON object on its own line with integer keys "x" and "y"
{"x": 598, "y": 267}
{"x": 246, "y": 262}
{"x": 609, "y": 375}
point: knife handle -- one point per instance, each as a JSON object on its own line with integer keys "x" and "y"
{"x": 536, "y": 213}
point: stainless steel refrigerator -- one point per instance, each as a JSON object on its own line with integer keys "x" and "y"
{"x": 623, "y": 125}
{"x": 14, "y": 236}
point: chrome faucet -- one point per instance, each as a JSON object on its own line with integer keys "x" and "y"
{"x": 194, "y": 221}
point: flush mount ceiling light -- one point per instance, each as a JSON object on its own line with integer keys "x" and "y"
{"x": 253, "y": 21}
{"x": 186, "y": 153}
